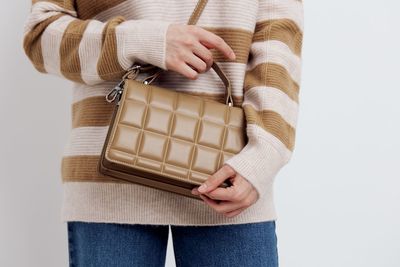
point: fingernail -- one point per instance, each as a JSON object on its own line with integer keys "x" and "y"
{"x": 194, "y": 191}
{"x": 202, "y": 188}
{"x": 233, "y": 56}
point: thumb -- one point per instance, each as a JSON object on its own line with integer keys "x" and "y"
{"x": 216, "y": 179}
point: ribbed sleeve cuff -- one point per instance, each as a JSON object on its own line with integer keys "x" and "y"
{"x": 143, "y": 40}
{"x": 259, "y": 161}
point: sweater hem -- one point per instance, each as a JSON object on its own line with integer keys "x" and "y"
{"x": 138, "y": 204}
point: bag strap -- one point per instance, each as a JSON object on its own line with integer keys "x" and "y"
{"x": 201, "y": 4}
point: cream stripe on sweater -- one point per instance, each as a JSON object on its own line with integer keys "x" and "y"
{"x": 93, "y": 43}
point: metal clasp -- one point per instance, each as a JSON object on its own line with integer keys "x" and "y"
{"x": 229, "y": 100}
{"x": 151, "y": 78}
{"x": 116, "y": 92}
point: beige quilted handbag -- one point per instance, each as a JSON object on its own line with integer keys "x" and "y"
{"x": 166, "y": 139}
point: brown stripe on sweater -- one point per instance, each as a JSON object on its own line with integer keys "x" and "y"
{"x": 32, "y": 43}
{"x": 91, "y": 111}
{"x": 284, "y": 30}
{"x": 239, "y": 40}
{"x": 108, "y": 65}
{"x": 272, "y": 75}
{"x": 69, "y": 50}
{"x": 96, "y": 111}
{"x": 83, "y": 168}
{"x": 273, "y": 123}
{"x": 87, "y": 9}
{"x": 66, "y": 4}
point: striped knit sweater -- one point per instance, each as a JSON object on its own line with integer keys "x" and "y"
{"x": 92, "y": 43}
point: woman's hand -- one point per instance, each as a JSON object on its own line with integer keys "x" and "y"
{"x": 187, "y": 49}
{"x": 231, "y": 200}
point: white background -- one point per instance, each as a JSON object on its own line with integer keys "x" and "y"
{"x": 338, "y": 199}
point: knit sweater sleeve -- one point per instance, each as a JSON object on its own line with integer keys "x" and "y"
{"x": 89, "y": 51}
{"x": 271, "y": 92}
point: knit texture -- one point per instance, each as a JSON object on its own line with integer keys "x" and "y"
{"x": 92, "y": 44}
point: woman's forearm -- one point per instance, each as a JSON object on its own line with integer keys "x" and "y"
{"x": 89, "y": 51}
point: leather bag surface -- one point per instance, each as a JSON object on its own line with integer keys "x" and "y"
{"x": 167, "y": 139}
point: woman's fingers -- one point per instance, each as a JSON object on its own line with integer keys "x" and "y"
{"x": 236, "y": 192}
{"x": 211, "y": 40}
{"x": 204, "y": 54}
{"x": 231, "y": 200}
{"x": 229, "y": 208}
{"x": 188, "y": 49}
{"x": 234, "y": 213}
{"x": 221, "y": 193}
{"x": 217, "y": 194}
{"x": 197, "y": 63}
{"x": 187, "y": 71}
{"x": 221, "y": 207}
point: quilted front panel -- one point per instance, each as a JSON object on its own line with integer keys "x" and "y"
{"x": 178, "y": 135}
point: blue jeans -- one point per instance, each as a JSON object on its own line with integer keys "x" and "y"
{"x": 120, "y": 245}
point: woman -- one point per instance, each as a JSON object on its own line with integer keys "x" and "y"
{"x": 92, "y": 43}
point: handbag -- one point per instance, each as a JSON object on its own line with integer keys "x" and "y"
{"x": 169, "y": 140}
